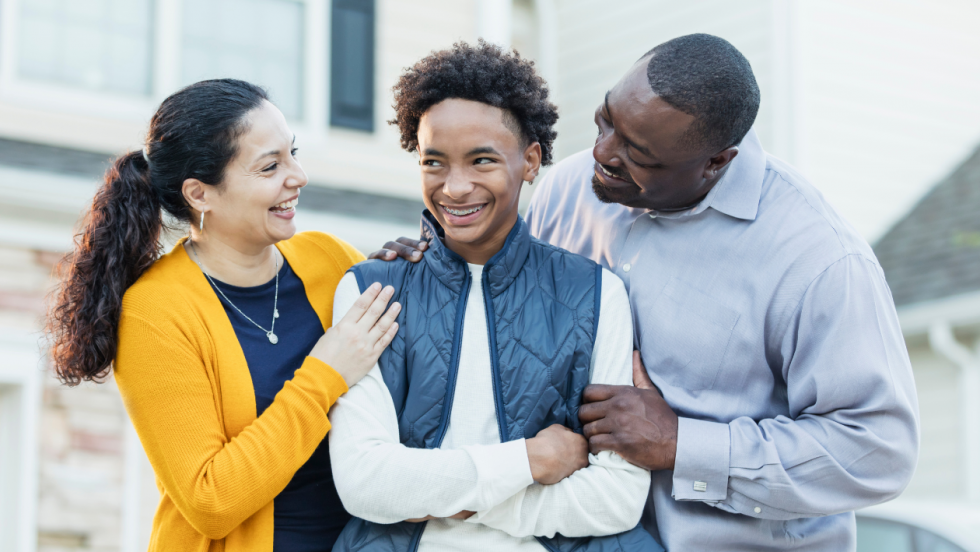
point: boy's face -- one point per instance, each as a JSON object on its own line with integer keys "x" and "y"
{"x": 473, "y": 168}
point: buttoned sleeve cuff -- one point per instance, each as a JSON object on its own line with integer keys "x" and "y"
{"x": 701, "y": 464}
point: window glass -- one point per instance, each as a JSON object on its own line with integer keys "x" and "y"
{"x": 260, "y": 41}
{"x": 883, "y": 536}
{"x": 352, "y": 64}
{"x": 926, "y": 541}
{"x": 94, "y": 44}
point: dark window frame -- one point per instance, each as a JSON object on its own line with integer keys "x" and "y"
{"x": 352, "y": 57}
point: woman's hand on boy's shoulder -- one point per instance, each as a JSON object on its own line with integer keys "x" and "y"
{"x": 406, "y": 248}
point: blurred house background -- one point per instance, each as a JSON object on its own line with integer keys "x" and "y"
{"x": 875, "y": 100}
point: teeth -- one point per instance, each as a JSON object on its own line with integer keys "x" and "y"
{"x": 607, "y": 173}
{"x": 287, "y": 205}
{"x": 460, "y": 213}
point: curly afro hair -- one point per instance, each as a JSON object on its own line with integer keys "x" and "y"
{"x": 482, "y": 73}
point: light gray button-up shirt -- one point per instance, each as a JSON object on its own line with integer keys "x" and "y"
{"x": 765, "y": 320}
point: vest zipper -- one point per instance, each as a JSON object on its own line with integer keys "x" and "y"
{"x": 464, "y": 294}
{"x": 494, "y": 359}
{"x": 454, "y": 361}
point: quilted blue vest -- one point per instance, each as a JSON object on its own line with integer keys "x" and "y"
{"x": 542, "y": 308}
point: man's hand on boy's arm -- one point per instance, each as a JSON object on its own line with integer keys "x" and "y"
{"x": 633, "y": 421}
{"x": 406, "y": 248}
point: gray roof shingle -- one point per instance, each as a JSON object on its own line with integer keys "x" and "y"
{"x": 934, "y": 251}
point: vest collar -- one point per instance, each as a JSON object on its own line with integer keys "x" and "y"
{"x": 452, "y": 270}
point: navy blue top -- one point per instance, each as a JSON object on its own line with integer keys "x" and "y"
{"x": 308, "y": 513}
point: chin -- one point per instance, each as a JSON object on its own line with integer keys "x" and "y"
{"x": 608, "y": 195}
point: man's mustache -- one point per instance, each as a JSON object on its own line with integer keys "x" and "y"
{"x": 618, "y": 173}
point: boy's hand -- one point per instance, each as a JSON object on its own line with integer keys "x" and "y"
{"x": 406, "y": 248}
{"x": 555, "y": 453}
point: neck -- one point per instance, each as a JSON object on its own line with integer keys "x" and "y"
{"x": 482, "y": 250}
{"x": 232, "y": 263}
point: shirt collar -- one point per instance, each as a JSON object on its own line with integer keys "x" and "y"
{"x": 739, "y": 191}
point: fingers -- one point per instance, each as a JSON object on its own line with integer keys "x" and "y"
{"x": 384, "y": 323}
{"x": 415, "y": 244}
{"x": 598, "y": 392}
{"x": 588, "y": 413}
{"x": 598, "y": 427}
{"x": 384, "y": 255}
{"x": 387, "y": 338}
{"x": 601, "y": 442}
{"x": 407, "y": 249}
{"x": 363, "y": 302}
{"x": 641, "y": 379}
{"x": 371, "y": 315}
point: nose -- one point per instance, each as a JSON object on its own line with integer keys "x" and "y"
{"x": 606, "y": 151}
{"x": 457, "y": 185}
{"x": 297, "y": 176}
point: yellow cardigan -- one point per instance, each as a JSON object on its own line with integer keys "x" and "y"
{"x": 188, "y": 390}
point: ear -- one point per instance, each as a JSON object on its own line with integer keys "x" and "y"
{"x": 197, "y": 195}
{"x": 717, "y": 162}
{"x": 532, "y": 161}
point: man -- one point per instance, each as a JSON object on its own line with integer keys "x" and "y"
{"x": 761, "y": 316}
{"x": 457, "y": 440}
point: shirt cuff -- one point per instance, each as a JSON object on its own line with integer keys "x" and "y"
{"x": 701, "y": 464}
{"x": 502, "y": 470}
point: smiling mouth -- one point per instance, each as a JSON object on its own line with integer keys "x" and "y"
{"x": 463, "y": 212}
{"x": 612, "y": 175}
{"x": 286, "y": 206}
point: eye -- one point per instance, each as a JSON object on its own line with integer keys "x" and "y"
{"x": 294, "y": 151}
{"x": 271, "y": 167}
{"x": 483, "y": 161}
{"x": 432, "y": 163}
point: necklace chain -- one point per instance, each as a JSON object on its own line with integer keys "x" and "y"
{"x": 273, "y": 338}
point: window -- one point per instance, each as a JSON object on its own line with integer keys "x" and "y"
{"x": 876, "y": 535}
{"x": 260, "y": 41}
{"x": 352, "y": 64}
{"x": 94, "y": 44}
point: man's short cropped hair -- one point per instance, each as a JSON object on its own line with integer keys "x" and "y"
{"x": 482, "y": 73}
{"x": 708, "y": 78}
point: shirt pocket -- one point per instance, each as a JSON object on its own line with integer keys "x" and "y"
{"x": 684, "y": 336}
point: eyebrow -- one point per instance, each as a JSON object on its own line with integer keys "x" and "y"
{"x": 274, "y": 152}
{"x": 474, "y": 151}
{"x": 631, "y": 143}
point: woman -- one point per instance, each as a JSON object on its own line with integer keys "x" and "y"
{"x": 223, "y": 348}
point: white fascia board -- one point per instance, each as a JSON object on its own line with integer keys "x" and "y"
{"x": 958, "y": 310}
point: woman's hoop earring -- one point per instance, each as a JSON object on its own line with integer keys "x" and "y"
{"x": 202, "y": 221}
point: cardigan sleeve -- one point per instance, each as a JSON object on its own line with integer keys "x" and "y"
{"x": 171, "y": 396}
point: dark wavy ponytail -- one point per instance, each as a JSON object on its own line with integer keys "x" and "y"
{"x": 193, "y": 134}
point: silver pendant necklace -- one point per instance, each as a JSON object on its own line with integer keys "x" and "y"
{"x": 270, "y": 333}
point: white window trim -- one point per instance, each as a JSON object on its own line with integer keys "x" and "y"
{"x": 166, "y": 71}
{"x": 22, "y": 371}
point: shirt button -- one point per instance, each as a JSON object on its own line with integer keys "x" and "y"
{"x": 758, "y": 510}
{"x": 627, "y": 267}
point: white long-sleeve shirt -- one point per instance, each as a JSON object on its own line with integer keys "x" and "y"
{"x": 383, "y": 481}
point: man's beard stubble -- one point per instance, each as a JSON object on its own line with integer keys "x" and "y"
{"x": 602, "y": 193}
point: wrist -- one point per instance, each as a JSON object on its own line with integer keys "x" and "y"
{"x": 536, "y": 458}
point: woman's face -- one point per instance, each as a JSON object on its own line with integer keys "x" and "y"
{"x": 255, "y": 204}
{"x": 473, "y": 168}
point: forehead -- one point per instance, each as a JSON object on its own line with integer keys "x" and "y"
{"x": 267, "y": 126}
{"x": 644, "y": 117}
{"x": 462, "y": 124}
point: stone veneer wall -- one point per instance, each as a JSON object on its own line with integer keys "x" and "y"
{"x": 82, "y": 429}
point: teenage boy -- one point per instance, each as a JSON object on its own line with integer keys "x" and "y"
{"x": 459, "y": 439}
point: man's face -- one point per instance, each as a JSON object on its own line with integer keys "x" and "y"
{"x": 473, "y": 168}
{"x": 643, "y": 158}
